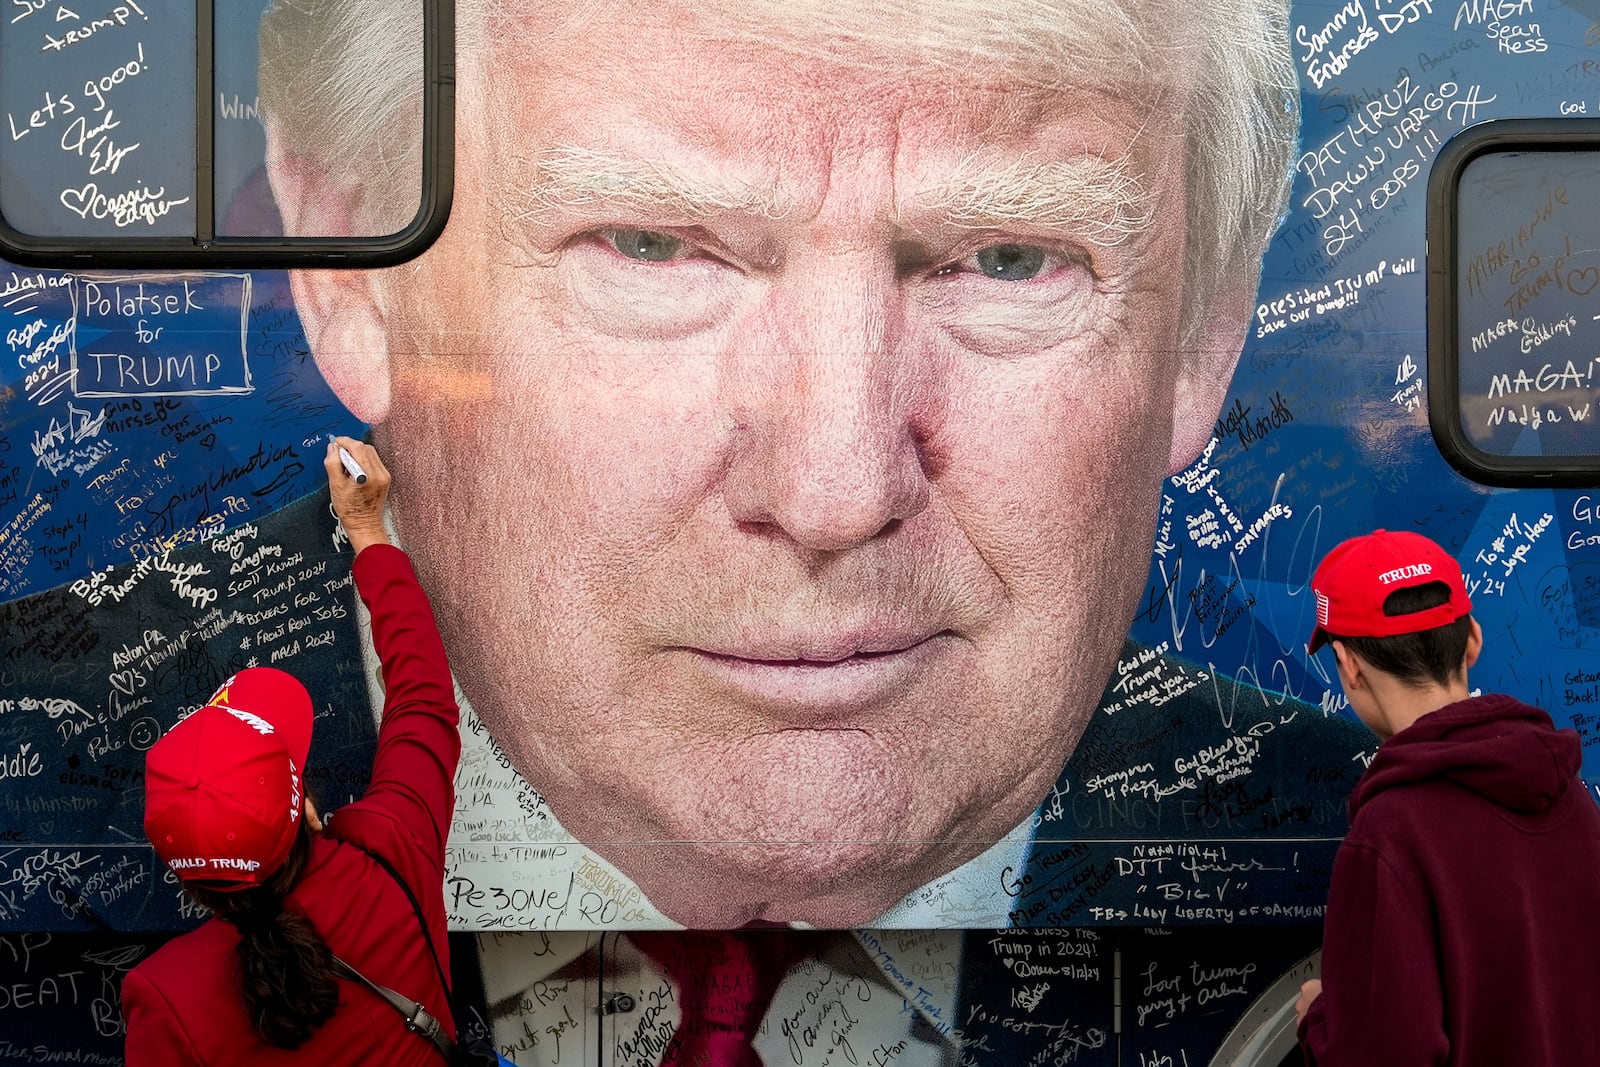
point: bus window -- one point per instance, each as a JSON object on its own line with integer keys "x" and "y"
{"x": 1514, "y": 301}
{"x": 134, "y": 134}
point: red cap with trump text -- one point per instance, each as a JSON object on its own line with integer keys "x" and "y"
{"x": 1355, "y": 579}
{"x": 223, "y": 789}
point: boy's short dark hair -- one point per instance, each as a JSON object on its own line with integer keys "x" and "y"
{"x": 1417, "y": 659}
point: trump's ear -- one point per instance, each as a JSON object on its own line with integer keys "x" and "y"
{"x": 339, "y": 309}
{"x": 1202, "y": 383}
{"x": 348, "y": 336}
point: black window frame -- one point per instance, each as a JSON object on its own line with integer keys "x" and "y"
{"x": 207, "y": 249}
{"x": 1443, "y": 275}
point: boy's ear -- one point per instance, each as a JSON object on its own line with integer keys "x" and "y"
{"x": 1474, "y": 646}
{"x": 1349, "y": 665}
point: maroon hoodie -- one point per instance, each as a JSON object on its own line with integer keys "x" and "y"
{"x": 1462, "y": 919}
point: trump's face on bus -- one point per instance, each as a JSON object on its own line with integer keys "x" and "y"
{"x": 779, "y": 428}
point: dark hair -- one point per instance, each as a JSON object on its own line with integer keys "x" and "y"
{"x": 1427, "y": 656}
{"x": 285, "y": 968}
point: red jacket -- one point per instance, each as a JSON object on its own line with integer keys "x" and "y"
{"x": 183, "y": 1005}
{"x": 1461, "y": 919}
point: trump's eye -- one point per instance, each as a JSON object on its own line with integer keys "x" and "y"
{"x": 1006, "y": 297}
{"x": 1010, "y": 263}
{"x": 648, "y": 283}
{"x": 647, "y": 246}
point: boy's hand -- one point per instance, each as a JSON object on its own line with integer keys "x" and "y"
{"x": 1309, "y": 991}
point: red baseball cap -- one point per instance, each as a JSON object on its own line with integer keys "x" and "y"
{"x": 223, "y": 793}
{"x": 1354, "y": 579}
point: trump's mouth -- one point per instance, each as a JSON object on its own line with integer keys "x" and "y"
{"x": 823, "y": 678}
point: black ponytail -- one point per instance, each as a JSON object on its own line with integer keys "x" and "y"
{"x": 285, "y": 968}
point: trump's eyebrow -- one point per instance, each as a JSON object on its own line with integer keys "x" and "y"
{"x": 566, "y": 180}
{"x": 1100, "y": 200}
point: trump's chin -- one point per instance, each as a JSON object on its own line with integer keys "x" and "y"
{"x": 827, "y": 884}
{"x": 829, "y": 828}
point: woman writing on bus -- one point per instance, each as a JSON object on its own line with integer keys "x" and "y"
{"x": 226, "y": 810}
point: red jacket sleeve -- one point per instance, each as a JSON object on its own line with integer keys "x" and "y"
{"x": 1382, "y": 997}
{"x": 413, "y": 774}
{"x": 155, "y": 1036}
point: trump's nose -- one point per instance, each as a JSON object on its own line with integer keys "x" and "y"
{"x": 833, "y": 408}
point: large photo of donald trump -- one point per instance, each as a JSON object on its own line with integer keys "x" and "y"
{"x": 794, "y": 385}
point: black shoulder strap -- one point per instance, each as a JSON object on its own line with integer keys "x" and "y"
{"x": 418, "y": 1021}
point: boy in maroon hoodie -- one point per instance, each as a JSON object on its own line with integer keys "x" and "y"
{"x": 1461, "y": 918}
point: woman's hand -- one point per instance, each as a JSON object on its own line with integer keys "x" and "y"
{"x": 359, "y": 504}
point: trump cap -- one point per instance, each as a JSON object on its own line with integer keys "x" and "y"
{"x": 223, "y": 789}
{"x": 1355, "y": 579}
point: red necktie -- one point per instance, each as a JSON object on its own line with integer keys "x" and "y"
{"x": 725, "y": 981}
